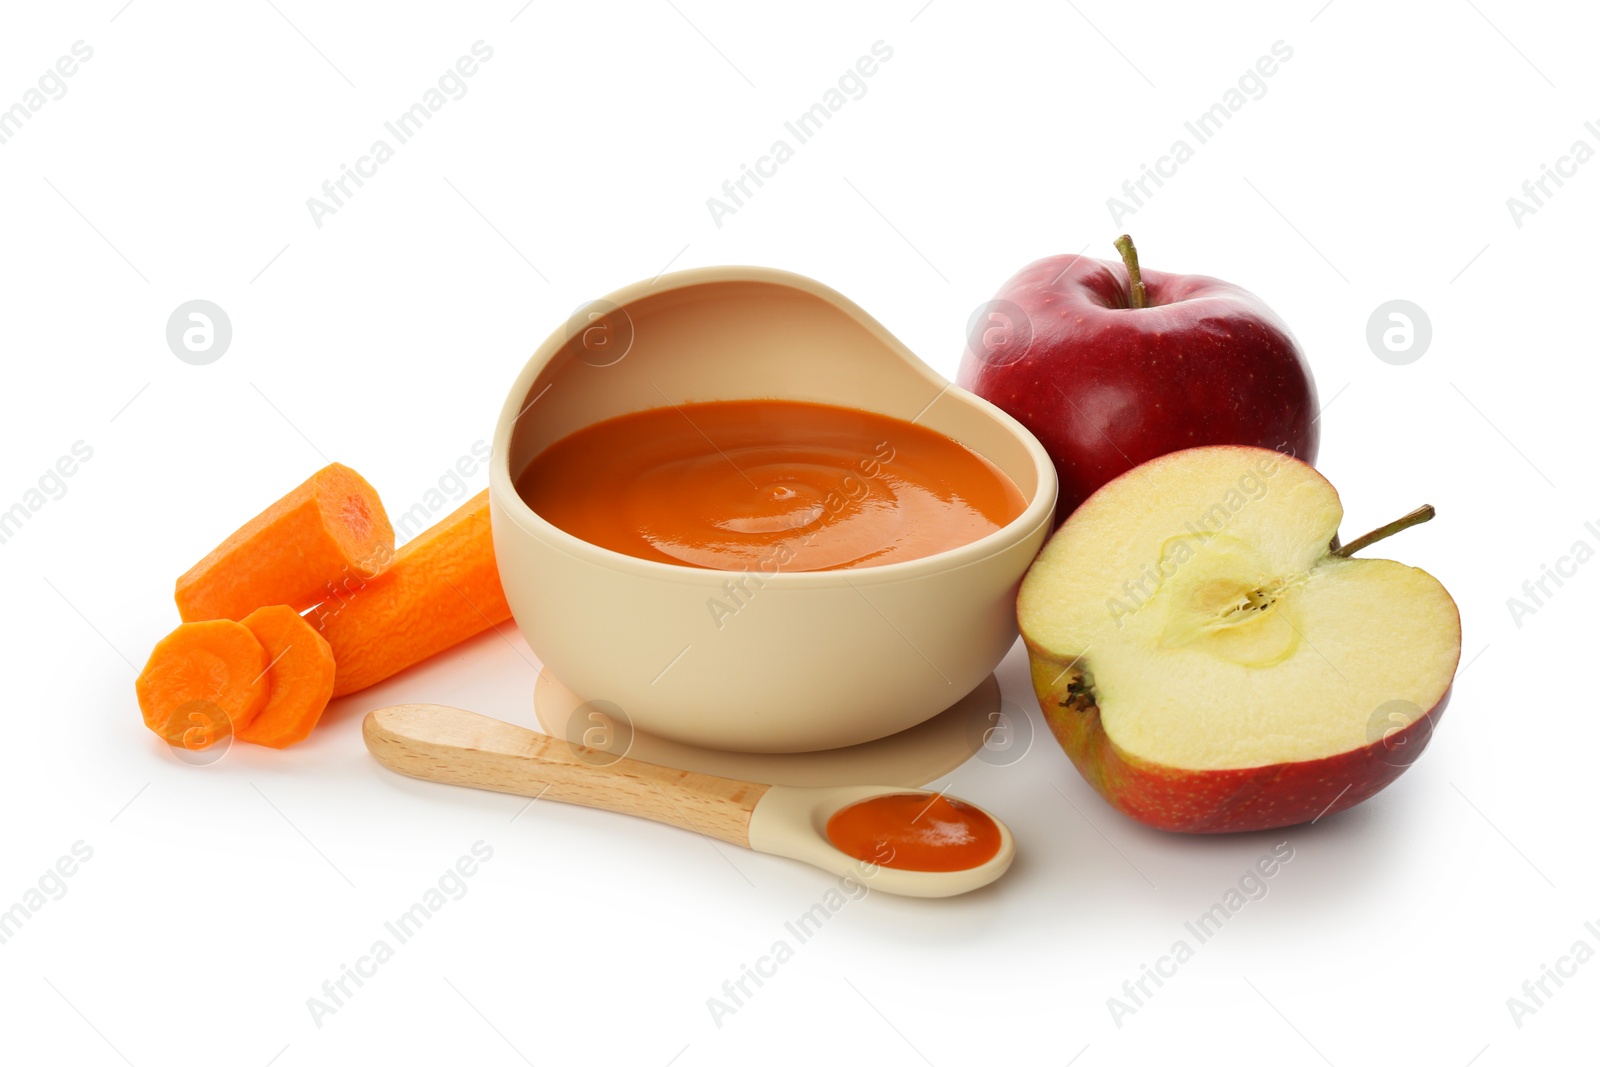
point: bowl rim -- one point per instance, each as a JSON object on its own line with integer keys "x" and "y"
{"x": 505, "y": 500}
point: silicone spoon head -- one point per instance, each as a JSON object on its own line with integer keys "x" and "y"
{"x": 792, "y": 821}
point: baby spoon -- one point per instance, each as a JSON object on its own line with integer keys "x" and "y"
{"x": 890, "y": 830}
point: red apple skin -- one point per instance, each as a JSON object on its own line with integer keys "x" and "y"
{"x": 1106, "y": 386}
{"x": 1227, "y": 801}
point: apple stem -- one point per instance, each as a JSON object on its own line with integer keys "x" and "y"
{"x": 1404, "y": 522}
{"x": 1130, "y": 259}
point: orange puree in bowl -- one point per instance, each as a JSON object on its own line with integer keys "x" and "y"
{"x": 768, "y": 485}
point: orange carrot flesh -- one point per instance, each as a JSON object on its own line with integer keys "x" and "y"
{"x": 202, "y": 682}
{"x": 300, "y": 680}
{"x": 442, "y": 588}
{"x": 328, "y": 528}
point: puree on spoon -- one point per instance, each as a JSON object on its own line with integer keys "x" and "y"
{"x": 915, "y": 832}
{"x": 770, "y": 485}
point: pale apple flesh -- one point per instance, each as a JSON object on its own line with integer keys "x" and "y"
{"x": 1210, "y": 665}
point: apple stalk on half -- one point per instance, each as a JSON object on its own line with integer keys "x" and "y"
{"x": 1210, "y": 659}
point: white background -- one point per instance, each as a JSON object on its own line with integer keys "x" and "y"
{"x": 177, "y": 166}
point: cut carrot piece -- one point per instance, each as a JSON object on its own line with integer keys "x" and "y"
{"x": 300, "y": 680}
{"x": 202, "y": 682}
{"x": 442, "y": 588}
{"x": 329, "y": 531}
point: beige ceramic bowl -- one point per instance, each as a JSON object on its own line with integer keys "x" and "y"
{"x": 812, "y": 660}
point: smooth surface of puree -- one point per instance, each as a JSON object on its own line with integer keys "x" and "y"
{"x": 915, "y": 832}
{"x": 768, "y": 485}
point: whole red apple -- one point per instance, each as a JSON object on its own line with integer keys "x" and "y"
{"x": 1111, "y": 366}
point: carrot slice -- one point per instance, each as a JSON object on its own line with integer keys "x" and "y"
{"x": 329, "y": 529}
{"x": 442, "y": 588}
{"x": 300, "y": 679}
{"x": 202, "y": 682}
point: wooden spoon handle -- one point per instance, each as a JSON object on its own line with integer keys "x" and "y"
{"x": 444, "y": 744}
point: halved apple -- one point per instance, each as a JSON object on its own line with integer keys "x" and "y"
{"x": 1212, "y": 662}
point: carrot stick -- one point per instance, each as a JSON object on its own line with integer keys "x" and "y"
{"x": 202, "y": 682}
{"x": 442, "y": 588}
{"x": 328, "y": 528}
{"x": 300, "y": 678}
